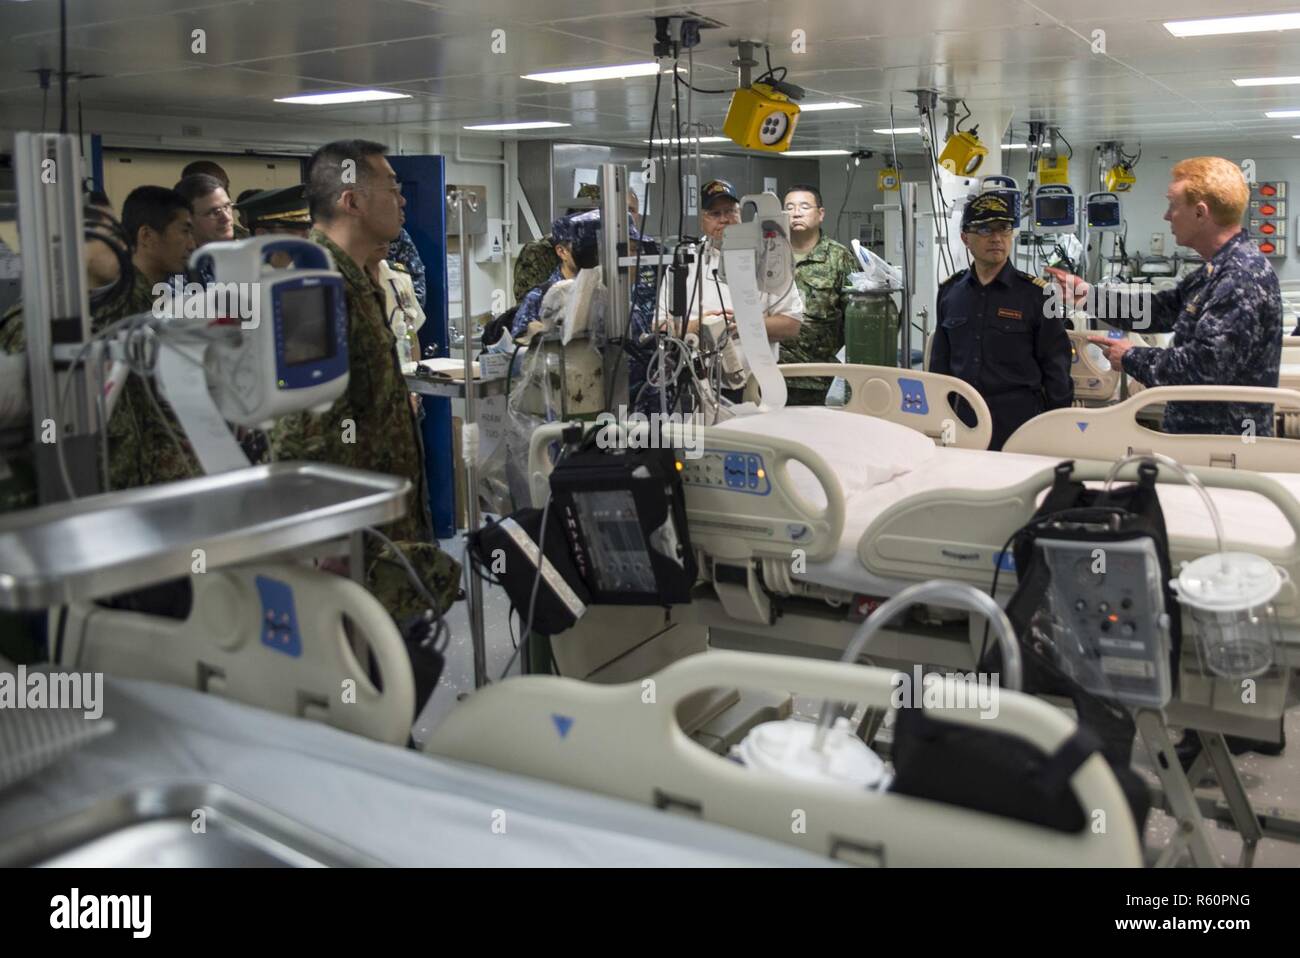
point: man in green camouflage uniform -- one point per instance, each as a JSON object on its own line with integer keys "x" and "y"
{"x": 356, "y": 204}
{"x": 141, "y": 448}
{"x": 821, "y": 271}
{"x": 537, "y": 261}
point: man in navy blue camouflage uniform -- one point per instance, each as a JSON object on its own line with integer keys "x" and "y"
{"x": 995, "y": 330}
{"x": 1226, "y": 317}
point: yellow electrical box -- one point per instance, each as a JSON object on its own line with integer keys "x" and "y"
{"x": 887, "y": 180}
{"x": 1120, "y": 178}
{"x": 963, "y": 154}
{"x": 1053, "y": 171}
{"x": 761, "y": 118}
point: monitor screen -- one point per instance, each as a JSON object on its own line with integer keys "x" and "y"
{"x": 1103, "y": 214}
{"x": 1053, "y": 208}
{"x": 306, "y": 325}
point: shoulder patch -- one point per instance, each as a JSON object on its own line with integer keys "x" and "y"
{"x": 1036, "y": 280}
{"x": 397, "y": 267}
{"x": 953, "y": 278}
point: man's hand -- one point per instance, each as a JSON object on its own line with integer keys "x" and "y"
{"x": 1072, "y": 287}
{"x": 1113, "y": 348}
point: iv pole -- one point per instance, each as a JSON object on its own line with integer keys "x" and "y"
{"x": 460, "y": 200}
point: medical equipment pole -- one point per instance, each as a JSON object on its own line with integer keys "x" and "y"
{"x": 462, "y": 199}
{"x": 907, "y": 199}
{"x": 56, "y": 312}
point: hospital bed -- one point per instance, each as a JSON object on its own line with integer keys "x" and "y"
{"x": 849, "y": 510}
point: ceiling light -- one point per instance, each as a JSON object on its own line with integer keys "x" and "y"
{"x": 1220, "y": 25}
{"x": 1015, "y": 146}
{"x": 1267, "y": 81}
{"x": 1282, "y": 114}
{"x": 815, "y": 153}
{"x": 596, "y": 73}
{"x": 344, "y": 96}
{"x": 900, "y": 129}
{"x": 525, "y": 125}
{"x": 833, "y": 105}
{"x": 692, "y": 139}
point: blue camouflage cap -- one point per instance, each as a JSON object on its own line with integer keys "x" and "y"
{"x": 991, "y": 206}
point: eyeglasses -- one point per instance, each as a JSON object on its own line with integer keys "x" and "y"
{"x": 1001, "y": 230}
{"x": 217, "y": 211}
{"x": 727, "y": 214}
{"x": 800, "y": 207}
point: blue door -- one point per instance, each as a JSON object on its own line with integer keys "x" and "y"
{"x": 424, "y": 187}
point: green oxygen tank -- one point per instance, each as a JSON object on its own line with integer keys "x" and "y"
{"x": 870, "y": 327}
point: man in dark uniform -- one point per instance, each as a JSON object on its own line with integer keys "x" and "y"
{"x": 995, "y": 330}
{"x": 1226, "y": 317}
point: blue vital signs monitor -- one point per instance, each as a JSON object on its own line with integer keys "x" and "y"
{"x": 292, "y": 351}
{"x": 1055, "y": 210}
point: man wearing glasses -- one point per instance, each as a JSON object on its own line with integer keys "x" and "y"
{"x": 214, "y": 214}
{"x": 994, "y": 328}
{"x": 821, "y": 271}
{"x": 782, "y": 315}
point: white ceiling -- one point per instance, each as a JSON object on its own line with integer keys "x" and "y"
{"x": 1033, "y": 58}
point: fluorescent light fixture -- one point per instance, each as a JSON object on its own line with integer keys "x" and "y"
{"x": 344, "y": 96}
{"x": 1267, "y": 81}
{"x": 692, "y": 139}
{"x": 1282, "y": 114}
{"x": 899, "y": 129}
{"x": 815, "y": 153}
{"x": 596, "y": 73}
{"x": 1217, "y": 26}
{"x": 1295, "y": 136}
{"x": 833, "y": 105}
{"x": 525, "y": 125}
{"x": 1015, "y": 146}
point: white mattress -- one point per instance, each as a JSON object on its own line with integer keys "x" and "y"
{"x": 1248, "y": 519}
{"x": 395, "y": 805}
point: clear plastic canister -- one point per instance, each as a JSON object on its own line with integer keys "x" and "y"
{"x": 1229, "y": 596}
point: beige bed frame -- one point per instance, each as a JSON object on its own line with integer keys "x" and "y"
{"x": 1112, "y": 432}
{"x": 625, "y": 741}
{"x": 874, "y": 391}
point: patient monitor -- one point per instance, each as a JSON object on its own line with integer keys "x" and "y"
{"x": 272, "y": 339}
{"x": 292, "y": 353}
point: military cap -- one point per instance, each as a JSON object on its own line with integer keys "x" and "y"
{"x": 715, "y": 190}
{"x": 991, "y": 206}
{"x": 284, "y": 207}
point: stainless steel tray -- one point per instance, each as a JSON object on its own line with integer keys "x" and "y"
{"x": 157, "y": 827}
{"x": 101, "y": 545}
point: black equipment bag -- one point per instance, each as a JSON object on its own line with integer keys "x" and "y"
{"x": 507, "y": 551}
{"x": 989, "y": 771}
{"x": 1071, "y": 511}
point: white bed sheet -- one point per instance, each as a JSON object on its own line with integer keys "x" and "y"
{"x": 393, "y": 804}
{"x": 1248, "y": 519}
